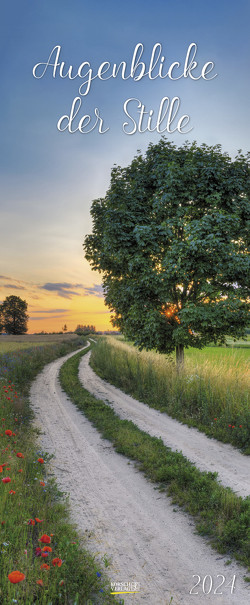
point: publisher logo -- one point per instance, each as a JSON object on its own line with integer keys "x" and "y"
{"x": 125, "y": 587}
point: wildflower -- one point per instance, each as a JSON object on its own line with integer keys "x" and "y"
{"x": 6, "y": 480}
{"x": 233, "y": 427}
{"x": 45, "y": 539}
{"x": 16, "y": 576}
{"x": 8, "y": 433}
{"x": 31, "y": 522}
{"x": 230, "y": 425}
{"x": 47, "y": 549}
{"x": 20, "y": 470}
{"x": 19, "y": 455}
{"x": 1, "y": 469}
{"x": 38, "y": 551}
{"x": 44, "y": 566}
{"x": 44, "y": 554}
{"x": 215, "y": 418}
{"x": 240, "y": 426}
{"x": 12, "y": 491}
{"x": 39, "y": 582}
{"x": 42, "y": 483}
{"x": 57, "y": 562}
{"x": 38, "y": 520}
{"x": 61, "y": 583}
{"x": 41, "y": 460}
{"x": 98, "y": 574}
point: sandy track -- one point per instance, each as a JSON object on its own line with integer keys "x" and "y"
{"x": 207, "y": 454}
{"x": 121, "y": 513}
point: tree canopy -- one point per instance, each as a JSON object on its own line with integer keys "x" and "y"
{"x": 14, "y": 318}
{"x": 170, "y": 238}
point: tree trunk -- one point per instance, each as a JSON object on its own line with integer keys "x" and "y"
{"x": 179, "y": 357}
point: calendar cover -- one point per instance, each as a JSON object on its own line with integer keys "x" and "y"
{"x": 109, "y": 113}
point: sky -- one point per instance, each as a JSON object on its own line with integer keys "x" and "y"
{"x": 49, "y": 177}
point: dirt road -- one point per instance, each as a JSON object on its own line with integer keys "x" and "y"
{"x": 123, "y": 516}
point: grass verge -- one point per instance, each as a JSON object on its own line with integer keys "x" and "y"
{"x": 218, "y": 512}
{"x": 36, "y": 536}
{"x": 212, "y": 394}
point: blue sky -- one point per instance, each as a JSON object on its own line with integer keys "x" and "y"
{"x": 49, "y": 178}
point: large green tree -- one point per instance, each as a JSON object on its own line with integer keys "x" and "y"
{"x": 14, "y": 315}
{"x": 170, "y": 239}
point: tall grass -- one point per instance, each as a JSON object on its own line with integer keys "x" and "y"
{"x": 211, "y": 393}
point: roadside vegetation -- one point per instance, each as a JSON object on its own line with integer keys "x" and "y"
{"x": 42, "y": 559}
{"x": 218, "y": 512}
{"x": 211, "y": 393}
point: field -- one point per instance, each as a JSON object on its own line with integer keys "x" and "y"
{"x": 10, "y": 343}
{"x": 212, "y": 393}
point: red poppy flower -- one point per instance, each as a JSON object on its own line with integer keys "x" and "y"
{"x": 38, "y": 520}
{"x": 4, "y": 464}
{"x": 6, "y": 480}
{"x": 1, "y": 469}
{"x": 41, "y": 460}
{"x": 47, "y": 549}
{"x": 45, "y": 539}
{"x": 31, "y": 522}
{"x": 12, "y": 491}
{"x": 240, "y": 426}
{"x": 44, "y": 566}
{"x": 8, "y": 432}
{"x": 57, "y": 562}
{"x": 19, "y": 455}
{"x": 20, "y": 470}
{"x": 42, "y": 483}
{"x": 44, "y": 554}
{"x": 39, "y": 582}
{"x": 38, "y": 551}
{"x": 16, "y": 576}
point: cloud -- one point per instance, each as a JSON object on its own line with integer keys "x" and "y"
{"x": 52, "y": 311}
{"x": 12, "y": 286}
{"x": 95, "y": 290}
{"x": 44, "y": 317}
{"x": 62, "y": 289}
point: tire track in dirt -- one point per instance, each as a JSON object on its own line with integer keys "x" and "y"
{"x": 119, "y": 512}
{"x": 207, "y": 454}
